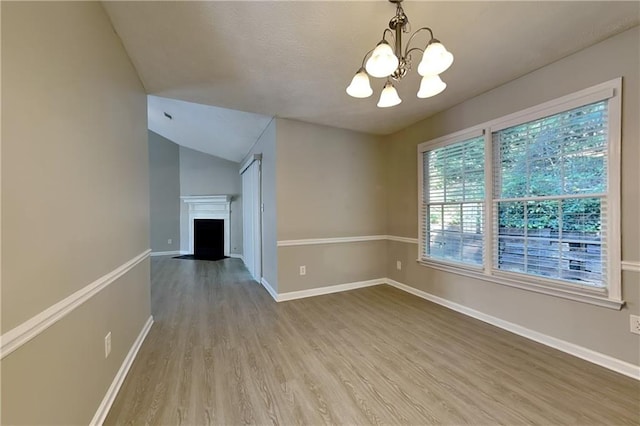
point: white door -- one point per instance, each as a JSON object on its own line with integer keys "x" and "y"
{"x": 252, "y": 220}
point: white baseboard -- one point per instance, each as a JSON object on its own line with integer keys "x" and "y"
{"x": 112, "y": 392}
{"x": 269, "y": 289}
{"x": 586, "y": 354}
{"x": 183, "y": 253}
{"x": 292, "y": 295}
{"x": 23, "y": 333}
{"x": 165, "y": 253}
{"x": 603, "y": 360}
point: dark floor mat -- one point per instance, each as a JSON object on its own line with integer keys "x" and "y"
{"x": 192, "y": 257}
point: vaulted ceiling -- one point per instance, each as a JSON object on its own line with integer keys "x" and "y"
{"x": 222, "y": 132}
{"x": 295, "y": 59}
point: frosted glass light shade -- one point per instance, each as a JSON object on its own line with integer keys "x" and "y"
{"x": 435, "y": 60}
{"x": 389, "y": 96}
{"x": 382, "y": 61}
{"x": 431, "y": 85}
{"x": 360, "y": 86}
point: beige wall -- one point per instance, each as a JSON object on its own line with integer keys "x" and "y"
{"x": 266, "y": 145}
{"x": 164, "y": 194}
{"x": 597, "y": 328}
{"x": 61, "y": 376}
{"x": 331, "y": 183}
{"x": 75, "y": 205}
{"x": 204, "y": 174}
{"x": 330, "y": 264}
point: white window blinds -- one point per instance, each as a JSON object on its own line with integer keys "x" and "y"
{"x": 453, "y": 202}
{"x": 549, "y": 201}
{"x": 534, "y": 203}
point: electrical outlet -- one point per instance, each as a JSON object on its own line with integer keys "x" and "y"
{"x": 169, "y": 241}
{"x": 634, "y": 324}
{"x": 303, "y": 270}
{"x": 107, "y": 345}
{"x": 398, "y": 265}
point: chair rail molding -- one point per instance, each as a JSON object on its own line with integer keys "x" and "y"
{"x": 407, "y": 240}
{"x": 631, "y": 265}
{"x": 23, "y": 333}
{"x": 339, "y": 240}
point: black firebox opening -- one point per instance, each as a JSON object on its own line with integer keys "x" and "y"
{"x": 208, "y": 239}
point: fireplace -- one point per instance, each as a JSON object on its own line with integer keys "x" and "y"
{"x": 208, "y": 207}
{"x": 208, "y": 239}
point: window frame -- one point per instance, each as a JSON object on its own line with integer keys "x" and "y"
{"x": 451, "y": 139}
{"x": 611, "y": 295}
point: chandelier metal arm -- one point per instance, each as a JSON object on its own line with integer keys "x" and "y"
{"x": 365, "y": 57}
{"x": 407, "y": 50}
{"x": 390, "y": 62}
{"x": 384, "y": 33}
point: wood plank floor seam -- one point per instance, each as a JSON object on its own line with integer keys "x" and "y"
{"x": 222, "y": 352}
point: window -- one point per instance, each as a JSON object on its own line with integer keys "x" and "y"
{"x": 454, "y": 201}
{"x": 531, "y": 199}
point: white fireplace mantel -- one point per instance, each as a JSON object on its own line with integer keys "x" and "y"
{"x": 209, "y": 207}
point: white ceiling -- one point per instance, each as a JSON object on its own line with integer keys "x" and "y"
{"x": 217, "y": 131}
{"x": 294, "y": 59}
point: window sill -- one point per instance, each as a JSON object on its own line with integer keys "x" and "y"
{"x": 593, "y": 297}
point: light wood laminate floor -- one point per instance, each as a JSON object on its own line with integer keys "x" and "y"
{"x": 222, "y": 351}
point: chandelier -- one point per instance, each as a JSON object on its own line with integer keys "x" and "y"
{"x": 393, "y": 63}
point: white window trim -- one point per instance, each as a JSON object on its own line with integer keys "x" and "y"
{"x": 612, "y": 296}
{"x": 450, "y": 139}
